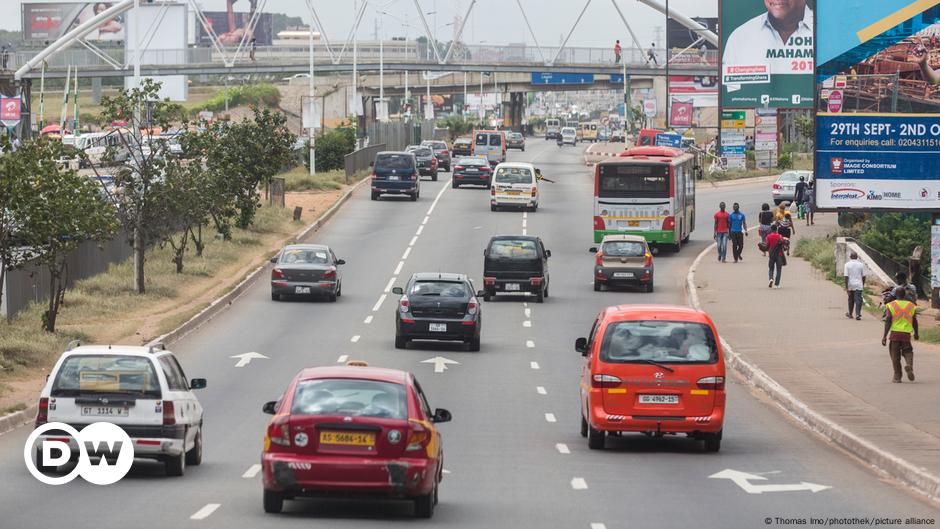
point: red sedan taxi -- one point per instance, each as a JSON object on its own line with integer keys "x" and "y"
{"x": 655, "y": 369}
{"x": 353, "y": 430}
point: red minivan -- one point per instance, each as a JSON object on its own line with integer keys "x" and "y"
{"x": 353, "y": 430}
{"x": 655, "y": 369}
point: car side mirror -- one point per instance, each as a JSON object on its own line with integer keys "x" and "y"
{"x": 197, "y": 383}
{"x": 270, "y": 407}
{"x": 441, "y": 415}
{"x": 398, "y": 290}
{"x": 274, "y": 259}
{"x": 580, "y": 345}
{"x": 548, "y": 253}
{"x": 593, "y": 249}
{"x": 340, "y": 261}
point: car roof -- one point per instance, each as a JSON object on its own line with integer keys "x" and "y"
{"x": 630, "y": 238}
{"x": 520, "y": 165}
{"x": 445, "y": 276}
{"x": 116, "y": 350}
{"x": 379, "y": 374}
{"x": 308, "y": 246}
{"x": 517, "y": 237}
{"x": 403, "y": 153}
{"x": 655, "y": 312}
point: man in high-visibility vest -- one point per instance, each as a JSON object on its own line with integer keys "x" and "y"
{"x": 900, "y": 324}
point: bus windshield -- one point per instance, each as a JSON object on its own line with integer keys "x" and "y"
{"x": 633, "y": 180}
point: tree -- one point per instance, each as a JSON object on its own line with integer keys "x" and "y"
{"x": 65, "y": 210}
{"x": 16, "y": 201}
{"x": 332, "y": 148}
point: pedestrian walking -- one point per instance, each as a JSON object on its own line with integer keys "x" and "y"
{"x": 617, "y": 51}
{"x": 722, "y": 226}
{"x": 776, "y": 259}
{"x": 253, "y": 46}
{"x": 902, "y": 283}
{"x": 900, "y": 327}
{"x": 738, "y": 231}
{"x": 799, "y": 195}
{"x": 786, "y": 230}
{"x": 854, "y": 272}
{"x": 780, "y": 211}
{"x": 764, "y": 219}
{"x": 810, "y": 205}
{"x": 651, "y": 55}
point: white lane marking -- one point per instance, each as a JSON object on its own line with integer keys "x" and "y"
{"x": 534, "y": 365}
{"x": 525, "y": 215}
{"x": 440, "y": 363}
{"x": 525, "y": 303}
{"x": 205, "y": 512}
{"x": 406, "y": 254}
{"x": 550, "y": 417}
{"x": 445, "y": 471}
{"x": 391, "y": 282}
{"x": 425, "y": 221}
{"x": 252, "y": 471}
{"x": 420, "y": 229}
{"x": 530, "y": 344}
{"x": 578, "y": 484}
{"x": 562, "y": 448}
{"x": 528, "y": 313}
{"x": 368, "y": 319}
{"x": 436, "y": 200}
{"x": 342, "y": 359}
{"x": 413, "y": 241}
{"x": 524, "y": 222}
{"x": 541, "y": 390}
{"x": 596, "y": 525}
{"x": 354, "y": 339}
{"x": 245, "y": 358}
{"x": 527, "y": 323}
{"x": 378, "y": 304}
{"x": 524, "y": 231}
{"x": 398, "y": 268}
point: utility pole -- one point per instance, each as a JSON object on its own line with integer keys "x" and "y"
{"x": 462, "y": 113}
{"x": 428, "y": 105}
{"x": 313, "y": 106}
{"x": 406, "y": 89}
{"x": 355, "y": 71}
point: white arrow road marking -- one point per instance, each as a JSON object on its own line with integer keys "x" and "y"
{"x": 743, "y": 480}
{"x": 528, "y": 313}
{"x": 378, "y": 304}
{"x": 368, "y": 319}
{"x": 252, "y": 471}
{"x": 541, "y": 390}
{"x": 550, "y": 417}
{"x": 578, "y": 484}
{"x": 530, "y": 344}
{"x": 440, "y": 363}
{"x": 342, "y": 359}
{"x": 205, "y": 512}
{"x": 562, "y": 448}
{"x": 534, "y": 365}
{"x": 354, "y": 339}
{"x": 595, "y": 525}
{"x": 245, "y": 358}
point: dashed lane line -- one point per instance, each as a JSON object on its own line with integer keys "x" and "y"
{"x": 252, "y": 471}
{"x": 398, "y": 268}
{"x": 342, "y": 359}
{"x": 578, "y": 484}
{"x": 527, "y": 323}
{"x": 596, "y": 525}
{"x": 528, "y": 313}
{"x": 550, "y": 417}
{"x": 541, "y": 390}
{"x": 413, "y": 241}
{"x": 530, "y": 344}
{"x": 420, "y": 229}
{"x": 390, "y": 284}
{"x": 368, "y": 319}
{"x": 425, "y": 221}
{"x": 534, "y": 365}
{"x": 378, "y": 304}
{"x": 354, "y": 339}
{"x": 205, "y": 512}
{"x": 562, "y": 448}
{"x": 406, "y": 254}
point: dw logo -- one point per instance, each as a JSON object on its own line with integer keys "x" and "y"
{"x": 102, "y": 440}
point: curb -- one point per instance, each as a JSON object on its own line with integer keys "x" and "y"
{"x": 223, "y": 301}
{"x": 919, "y": 479}
{"x": 742, "y": 181}
{"x": 12, "y": 421}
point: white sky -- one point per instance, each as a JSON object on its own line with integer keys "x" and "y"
{"x": 492, "y": 21}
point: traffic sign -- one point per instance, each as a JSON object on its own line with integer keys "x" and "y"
{"x": 649, "y": 108}
{"x": 562, "y": 78}
{"x": 669, "y": 140}
{"x": 835, "y": 101}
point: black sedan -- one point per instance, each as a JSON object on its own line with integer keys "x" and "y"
{"x": 427, "y": 162}
{"x": 306, "y": 270}
{"x": 438, "y": 306}
{"x": 476, "y": 171}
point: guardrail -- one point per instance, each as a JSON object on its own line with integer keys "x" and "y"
{"x": 359, "y": 160}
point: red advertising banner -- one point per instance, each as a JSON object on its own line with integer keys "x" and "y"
{"x": 681, "y": 114}
{"x": 10, "y": 111}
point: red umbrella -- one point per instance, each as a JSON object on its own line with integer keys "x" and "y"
{"x": 52, "y": 129}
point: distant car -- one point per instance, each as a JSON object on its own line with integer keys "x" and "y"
{"x": 441, "y": 152}
{"x": 463, "y": 146}
{"x": 784, "y": 189}
{"x": 395, "y": 173}
{"x": 353, "y": 431}
{"x": 438, "y": 306}
{"x": 472, "y": 170}
{"x": 617, "y": 136}
{"x": 427, "y": 162}
{"x": 623, "y": 260}
{"x": 569, "y": 136}
{"x": 515, "y": 140}
{"x": 306, "y": 270}
{"x": 296, "y": 76}
{"x": 141, "y": 389}
{"x": 515, "y": 264}
{"x": 603, "y": 135}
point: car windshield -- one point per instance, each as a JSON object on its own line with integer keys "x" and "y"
{"x": 133, "y": 375}
{"x": 394, "y": 161}
{"x": 438, "y": 145}
{"x": 350, "y": 398}
{"x": 514, "y": 175}
{"x": 422, "y": 151}
{"x": 472, "y": 161}
{"x": 624, "y": 249}
{"x": 304, "y": 256}
{"x": 513, "y": 249}
{"x": 669, "y": 342}
{"x": 567, "y": 130}
{"x": 791, "y": 176}
{"x": 444, "y": 289}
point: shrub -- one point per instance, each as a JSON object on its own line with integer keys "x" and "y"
{"x": 785, "y": 161}
{"x": 331, "y": 149}
{"x": 896, "y": 234}
{"x": 253, "y": 94}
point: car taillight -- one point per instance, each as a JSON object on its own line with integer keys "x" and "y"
{"x": 669, "y": 223}
{"x": 605, "y": 381}
{"x": 459, "y": 168}
{"x": 599, "y": 223}
{"x": 419, "y": 436}
{"x": 493, "y": 191}
{"x": 649, "y": 260}
{"x": 489, "y": 280}
{"x": 777, "y": 186}
{"x": 599, "y": 259}
{"x": 403, "y": 304}
{"x": 486, "y": 168}
{"x": 472, "y": 306}
{"x": 535, "y": 280}
{"x": 445, "y": 152}
{"x": 42, "y": 416}
{"x": 276, "y": 273}
{"x": 375, "y": 176}
{"x": 330, "y": 274}
{"x": 169, "y": 413}
{"x": 534, "y": 190}
{"x": 279, "y": 434}
{"x": 717, "y": 383}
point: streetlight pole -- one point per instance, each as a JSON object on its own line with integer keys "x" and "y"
{"x": 464, "y": 92}
{"x": 406, "y": 89}
{"x": 310, "y": 112}
{"x": 355, "y": 70}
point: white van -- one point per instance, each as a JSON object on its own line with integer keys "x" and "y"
{"x": 552, "y": 128}
{"x": 515, "y": 184}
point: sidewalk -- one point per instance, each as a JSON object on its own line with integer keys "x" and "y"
{"x": 799, "y": 336}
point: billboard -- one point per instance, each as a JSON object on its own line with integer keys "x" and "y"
{"x": 697, "y": 49}
{"x": 767, "y": 53}
{"x": 442, "y": 102}
{"x": 49, "y": 21}
{"x": 700, "y": 90}
{"x": 169, "y": 24}
{"x": 877, "y": 139}
{"x": 231, "y": 31}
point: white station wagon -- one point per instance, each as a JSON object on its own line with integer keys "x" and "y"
{"x": 141, "y": 389}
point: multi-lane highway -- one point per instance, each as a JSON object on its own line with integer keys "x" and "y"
{"x": 513, "y": 454}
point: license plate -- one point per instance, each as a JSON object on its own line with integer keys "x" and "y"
{"x": 633, "y": 223}
{"x": 347, "y": 438}
{"x": 437, "y": 327}
{"x": 659, "y": 399}
{"x": 471, "y": 170}
{"x": 301, "y": 290}
{"x": 512, "y": 286}
{"x": 513, "y": 193}
{"x": 623, "y": 274}
{"x": 104, "y": 411}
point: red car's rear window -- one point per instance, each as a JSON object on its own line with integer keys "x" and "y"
{"x": 350, "y": 398}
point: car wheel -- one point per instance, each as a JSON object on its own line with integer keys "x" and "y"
{"x": 175, "y": 465}
{"x": 595, "y": 438}
{"x": 434, "y": 177}
{"x": 777, "y": 202}
{"x": 540, "y": 297}
{"x": 273, "y": 501}
{"x": 194, "y": 456}
{"x": 492, "y": 207}
{"x": 332, "y": 297}
{"x": 375, "y": 196}
{"x": 474, "y": 344}
{"x": 414, "y": 197}
{"x": 447, "y": 169}
{"x": 400, "y": 342}
{"x": 597, "y": 286}
{"x": 487, "y": 297}
{"x": 339, "y": 290}
{"x": 546, "y": 290}
{"x": 453, "y": 184}
{"x": 649, "y": 287}
{"x": 523, "y": 149}
{"x": 275, "y": 297}
{"x": 424, "y": 505}
{"x": 713, "y": 442}
{"x": 584, "y": 427}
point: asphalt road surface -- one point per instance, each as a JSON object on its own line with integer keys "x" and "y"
{"x": 513, "y": 454}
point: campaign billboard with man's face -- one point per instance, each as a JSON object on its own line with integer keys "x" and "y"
{"x": 767, "y": 53}
{"x": 49, "y": 21}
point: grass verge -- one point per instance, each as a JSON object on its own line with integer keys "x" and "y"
{"x": 801, "y": 165}
{"x": 299, "y": 179}
{"x": 820, "y": 252}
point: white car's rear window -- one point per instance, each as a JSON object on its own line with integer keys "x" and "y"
{"x": 81, "y": 374}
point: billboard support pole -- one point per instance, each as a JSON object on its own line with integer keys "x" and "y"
{"x": 42, "y": 96}
{"x": 565, "y": 43}
{"x": 312, "y": 103}
{"x": 894, "y": 93}
{"x": 668, "y": 58}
